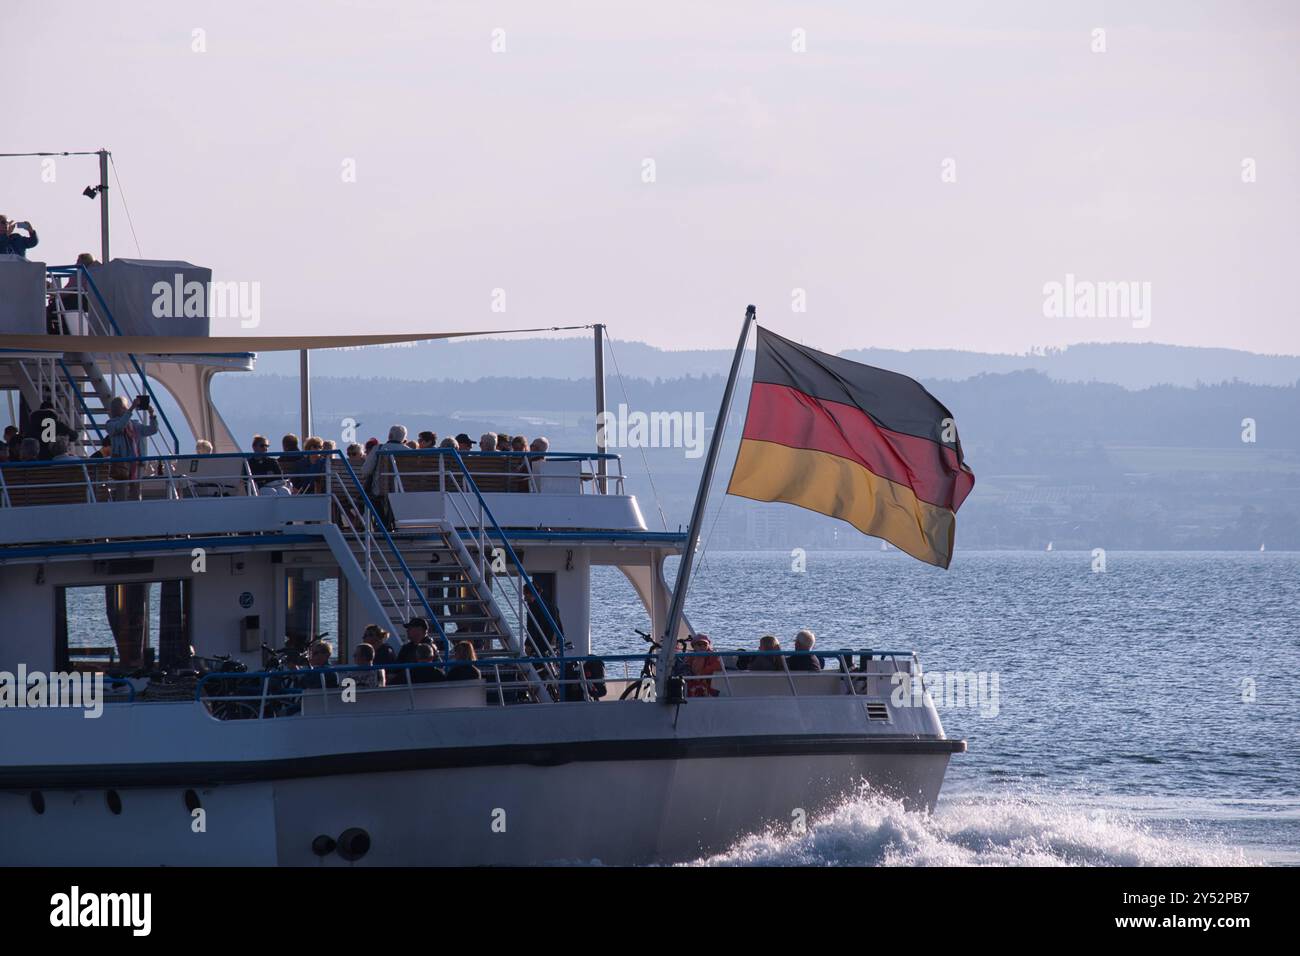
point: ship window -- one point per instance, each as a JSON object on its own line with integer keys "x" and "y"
{"x": 313, "y": 608}
{"x": 123, "y": 626}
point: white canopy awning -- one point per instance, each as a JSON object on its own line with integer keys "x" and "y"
{"x": 219, "y": 344}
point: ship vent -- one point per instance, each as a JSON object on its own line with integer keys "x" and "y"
{"x": 876, "y": 710}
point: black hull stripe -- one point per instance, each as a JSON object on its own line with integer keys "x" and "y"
{"x": 449, "y": 758}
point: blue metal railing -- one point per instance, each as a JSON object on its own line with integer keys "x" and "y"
{"x": 378, "y": 521}
{"x": 293, "y": 682}
{"x": 144, "y": 380}
{"x": 525, "y": 577}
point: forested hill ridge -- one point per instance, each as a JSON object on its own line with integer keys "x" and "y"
{"x": 1129, "y": 365}
{"x": 1079, "y": 464}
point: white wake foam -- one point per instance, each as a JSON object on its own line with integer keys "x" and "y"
{"x": 976, "y": 831}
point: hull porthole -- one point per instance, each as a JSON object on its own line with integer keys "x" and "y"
{"x": 114, "y": 801}
{"x": 323, "y": 845}
{"x": 354, "y": 843}
{"x": 38, "y": 801}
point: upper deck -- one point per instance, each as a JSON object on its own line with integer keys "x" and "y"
{"x": 76, "y": 499}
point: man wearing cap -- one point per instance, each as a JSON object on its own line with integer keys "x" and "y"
{"x": 417, "y": 632}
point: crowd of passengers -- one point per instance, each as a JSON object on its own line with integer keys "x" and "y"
{"x": 705, "y": 662}
{"x": 379, "y": 649}
{"x": 300, "y": 469}
{"x": 376, "y": 658}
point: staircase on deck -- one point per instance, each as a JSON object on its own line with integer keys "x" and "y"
{"x": 80, "y": 385}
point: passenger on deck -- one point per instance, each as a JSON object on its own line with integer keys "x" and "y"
{"x": 487, "y": 441}
{"x": 762, "y": 662}
{"x": 62, "y": 452}
{"x": 203, "y": 447}
{"x": 396, "y": 442}
{"x": 700, "y": 684}
{"x": 45, "y": 426}
{"x": 291, "y": 463}
{"x": 540, "y": 445}
{"x": 804, "y": 660}
{"x": 464, "y": 443}
{"x": 128, "y": 437}
{"x": 13, "y": 438}
{"x": 364, "y": 656}
{"x": 448, "y": 442}
{"x": 4, "y": 452}
{"x": 417, "y": 633}
{"x": 356, "y": 456}
{"x": 29, "y": 450}
{"x": 12, "y": 244}
{"x": 520, "y": 466}
{"x": 105, "y": 448}
{"x": 380, "y": 639}
{"x": 311, "y": 470}
{"x": 319, "y": 656}
{"x": 503, "y": 442}
{"x": 426, "y": 654}
{"x": 464, "y": 669}
{"x": 427, "y": 440}
{"x": 262, "y": 466}
{"x": 71, "y": 297}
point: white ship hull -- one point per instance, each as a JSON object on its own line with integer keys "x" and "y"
{"x": 615, "y": 783}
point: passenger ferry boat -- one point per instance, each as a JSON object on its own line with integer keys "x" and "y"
{"x": 225, "y": 756}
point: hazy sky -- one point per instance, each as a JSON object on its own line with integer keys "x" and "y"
{"x": 774, "y": 170}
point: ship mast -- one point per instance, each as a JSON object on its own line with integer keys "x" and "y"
{"x": 668, "y": 645}
{"x": 89, "y": 192}
{"x": 601, "y": 438}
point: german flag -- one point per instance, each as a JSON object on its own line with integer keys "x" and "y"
{"x": 863, "y": 444}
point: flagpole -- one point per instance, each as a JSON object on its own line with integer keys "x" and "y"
{"x": 668, "y": 646}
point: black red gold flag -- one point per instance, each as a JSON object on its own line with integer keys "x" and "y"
{"x": 863, "y": 444}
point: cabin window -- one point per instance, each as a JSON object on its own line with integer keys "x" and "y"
{"x": 313, "y": 609}
{"x": 125, "y": 625}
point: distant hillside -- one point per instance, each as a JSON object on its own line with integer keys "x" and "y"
{"x": 1132, "y": 366}
{"x": 1081, "y": 464}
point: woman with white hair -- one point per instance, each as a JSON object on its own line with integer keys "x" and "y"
{"x": 396, "y": 442}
